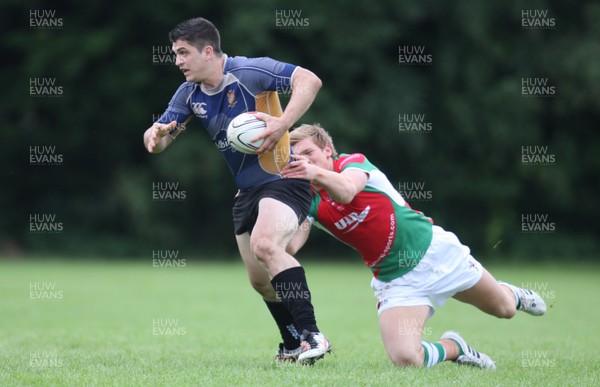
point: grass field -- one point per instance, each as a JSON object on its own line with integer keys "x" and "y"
{"x": 130, "y": 324}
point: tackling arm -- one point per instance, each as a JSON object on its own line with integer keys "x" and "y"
{"x": 343, "y": 186}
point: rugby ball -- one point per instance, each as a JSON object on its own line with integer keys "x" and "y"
{"x": 244, "y": 128}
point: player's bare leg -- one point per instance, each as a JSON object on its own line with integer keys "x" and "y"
{"x": 490, "y": 297}
{"x": 401, "y": 331}
{"x": 257, "y": 273}
{"x": 501, "y": 299}
{"x": 275, "y": 227}
{"x": 260, "y": 280}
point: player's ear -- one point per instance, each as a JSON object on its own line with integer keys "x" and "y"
{"x": 208, "y": 51}
{"x": 328, "y": 151}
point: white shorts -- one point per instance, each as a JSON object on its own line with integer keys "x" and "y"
{"x": 446, "y": 269}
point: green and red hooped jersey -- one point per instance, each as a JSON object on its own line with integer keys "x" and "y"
{"x": 378, "y": 223}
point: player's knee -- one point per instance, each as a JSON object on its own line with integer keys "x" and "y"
{"x": 505, "y": 310}
{"x": 406, "y": 358}
{"x": 264, "y": 248}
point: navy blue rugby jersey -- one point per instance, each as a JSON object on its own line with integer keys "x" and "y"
{"x": 248, "y": 84}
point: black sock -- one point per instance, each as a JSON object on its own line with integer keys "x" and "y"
{"x": 285, "y": 322}
{"x": 291, "y": 287}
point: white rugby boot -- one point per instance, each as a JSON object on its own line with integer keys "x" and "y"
{"x": 470, "y": 356}
{"x": 531, "y": 302}
{"x": 314, "y": 347}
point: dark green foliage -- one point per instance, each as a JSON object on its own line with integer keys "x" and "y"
{"x": 471, "y": 160}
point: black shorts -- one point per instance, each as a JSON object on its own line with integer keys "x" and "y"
{"x": 293, "y": 192}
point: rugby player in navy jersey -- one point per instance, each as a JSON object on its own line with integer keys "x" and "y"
{"x": 267, "y": 209}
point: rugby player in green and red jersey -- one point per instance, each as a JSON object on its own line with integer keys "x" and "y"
{"x": 416, "y": 265}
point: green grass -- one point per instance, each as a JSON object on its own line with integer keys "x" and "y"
{"x": 101, "y": 331}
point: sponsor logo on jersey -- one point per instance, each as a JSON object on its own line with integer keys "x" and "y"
{"x": 221, "y": 142}
{"x": 352, "y": 220}
{"x": 199, "y": 110}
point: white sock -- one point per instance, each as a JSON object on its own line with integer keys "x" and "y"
{"x": 434, "y": 353}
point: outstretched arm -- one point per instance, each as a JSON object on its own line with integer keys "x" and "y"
{"x": 156, "y": 137}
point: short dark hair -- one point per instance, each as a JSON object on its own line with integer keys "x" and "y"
{"x": 198, "y": 32}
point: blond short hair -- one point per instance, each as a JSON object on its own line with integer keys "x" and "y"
{"x": 319, "y": 136}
